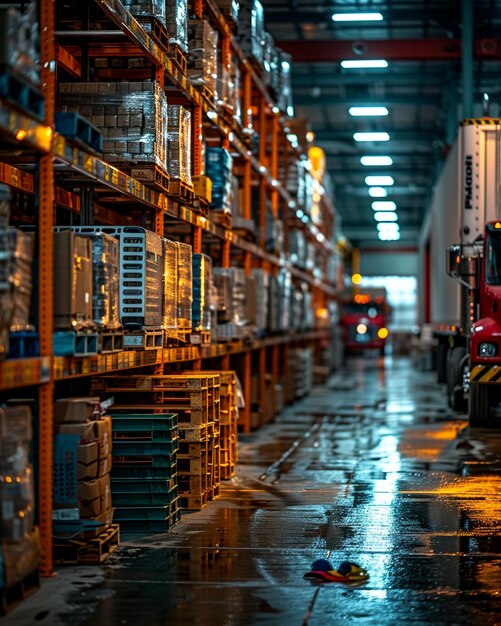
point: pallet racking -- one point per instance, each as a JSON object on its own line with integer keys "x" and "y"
{"x": 64, "y": 176}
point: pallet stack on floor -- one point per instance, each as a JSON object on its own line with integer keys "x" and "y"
{"x": 195, "y": 399}
{"x": 228, "y": 423}
{"x": 144, "y": 472}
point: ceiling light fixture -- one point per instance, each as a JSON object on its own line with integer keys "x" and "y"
{"x": 368, "y": 111}
{"x": 372, "y": 181}
{"x": 371, "y": 137}
{"x": 376, "y": 160}
{"x": 389, "y": 237}
{"x": 363, "y": 64}
{"x": 377, "y": 192}
{"x": 387, "y": 227}
{"x": 386, "y": 216}
{"x": 384, "y": 205}
{"x": 357, "y": 17}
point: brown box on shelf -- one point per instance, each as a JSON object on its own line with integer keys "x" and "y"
{"x": 94, "y": 496}
{"x": 96, "y": 431}
{"x": 77, "y": 410}
{"x": 203, "y": 188}
{"x": 73, "y": 278}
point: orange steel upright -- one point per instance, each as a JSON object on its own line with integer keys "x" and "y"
{"x": 45, "y": 288}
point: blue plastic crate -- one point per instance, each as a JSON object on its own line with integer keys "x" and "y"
{"x": 132, "y": 447}
{"x": 130, "y": 422}
{"x": 144, "y": 499}
{"x": 142, "y": 472}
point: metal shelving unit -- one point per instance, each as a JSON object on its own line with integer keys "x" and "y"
{"x": 53, "y": 159}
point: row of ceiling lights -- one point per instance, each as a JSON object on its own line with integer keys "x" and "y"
{"x": 385, "y": 212}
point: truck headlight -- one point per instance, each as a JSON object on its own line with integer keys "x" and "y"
{"x": 487, "y": 349}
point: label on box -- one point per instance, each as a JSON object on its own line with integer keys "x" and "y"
{"x": 65, "y": 514}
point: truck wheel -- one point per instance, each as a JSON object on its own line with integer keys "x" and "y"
{"x": 457, "y": 401}
{"x": 442, "y": 350}
{"x": 479, "y": 406}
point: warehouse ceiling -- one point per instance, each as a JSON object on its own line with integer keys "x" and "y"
{"x": 421, "y": 87}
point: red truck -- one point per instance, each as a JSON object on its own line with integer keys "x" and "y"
{"x": 365, "y": 320}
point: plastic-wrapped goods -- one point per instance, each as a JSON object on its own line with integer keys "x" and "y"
{"x": 231, "y": 283}
{"x": 202, "y": 55}
{"x": 296, "y": 309}
{"x": 273, "y": 322}
{"x": 105, "y": 275}
{"x": 179, "y": 135}
{"x": 258, "y": 287}
{"x": 297, "y": 247}
{"x": 132, "y": 116}
{"x": 170, "y": 287}
{"x": 202, "y": 278}
{"x": 284, "y": 71}
{"x": 270, "y": 59}
{"x": 19, "y": 41}
{"x": 233, "y": 89}
{"x": 147, "y": 8}
{"x": 16, "y": 284}
{"x": 251, "y": 29}
{"x": 176, "y": 15}
{"x": 184, "y": 286}
{"x": 16, "y": 475}
{"x": 5, "y": 196}
{"x": 219, "y": 168}
{"x": 284, "y": 279}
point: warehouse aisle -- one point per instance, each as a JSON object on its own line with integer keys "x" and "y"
{"x": 372, "y": 468}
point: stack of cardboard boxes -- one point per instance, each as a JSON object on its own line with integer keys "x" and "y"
{"x": 82, "y": 464}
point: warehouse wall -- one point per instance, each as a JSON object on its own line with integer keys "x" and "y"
{"x": 379, "y": 263}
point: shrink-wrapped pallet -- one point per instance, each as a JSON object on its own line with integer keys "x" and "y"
{"x": 202, "y": 277}
{"x": 184, "y": 286}
{"x": 219, "y": 167}
{"x": 20, "y": 41}
{"x": 251, "y": 29}
{"x": 147, "y": 8}
{"x": 202, "y": 55}
{"x": 176, "y": 15}
{"x": 179, "y": 134}
{"x": 132, "y": 117}
{"x": 170, "y": 310}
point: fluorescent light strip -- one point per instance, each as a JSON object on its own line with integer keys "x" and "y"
{"x": 377, "y": 192}
{"x": 389, "y": 237}
{"x": 387, "y": 227}
{"x": 379, "y": 180}
{"x": 357, "y": 17}
{"x": 376, "y": 160}
{"x": 363, "y": 64}
{"x": 371, "y": 137}
{"x": 384, "y": 205}
{"x": 385, "y": 216}
{"x": 368, "y": 111}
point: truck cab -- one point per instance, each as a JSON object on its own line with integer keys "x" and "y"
{"x": 365, "y": 321}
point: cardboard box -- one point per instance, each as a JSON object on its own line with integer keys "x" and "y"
{"x": 94, "y": 497}
{"x": 97, "y": 431}
{"x": 73, "y": 280}
{"x": 76, "y": 410}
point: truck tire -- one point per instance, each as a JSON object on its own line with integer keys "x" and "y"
{"x": 455, "y": 392}
{"x": 479, "y": 406}
{"x": 442, "y": 350}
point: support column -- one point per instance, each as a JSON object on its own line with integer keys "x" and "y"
{"x": 467, "y": 57}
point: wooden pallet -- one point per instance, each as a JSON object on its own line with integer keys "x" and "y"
{"x": 143, "y": 339}
{"x": 224, "y": 218}
{"x": 155, "y": 29}
{"x": 87, "y": 551}
{"x": 109, "y": 341}
{"x": 194, "y": 433}
{"x": 184, "y": 383}
{"x": 193, "y": 501}
{"x": 13, "y": 595}
{"x": 201, "y": 337}
{"x": 151, "y": 175}
{"x": 178, "y": 57}
{"x": 181, "y": 190}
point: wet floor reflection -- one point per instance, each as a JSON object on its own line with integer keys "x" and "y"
{"x": 391, "y": 480}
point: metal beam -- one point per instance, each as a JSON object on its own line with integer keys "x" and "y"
{"x": 467, "y": 57}
{"x": 326, "y": 51}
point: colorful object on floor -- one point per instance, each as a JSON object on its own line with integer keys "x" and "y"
{"x": 322, "y": 571}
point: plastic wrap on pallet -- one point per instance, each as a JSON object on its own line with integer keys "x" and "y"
{"x": 234, "y": 103}
{"x": 251, "y": 29}
{"x": 284, "y": 70}
{"x": 176, "y": 15}
{"x": 132, "y": 116}
{"x": 19, "y": 41}
{"x": 179, "y": 136}
{"x": 202, "y": 55}
{"x": 297, "y": 247}
{"x": 260, "y": 295}
{"x": 170, "y": 287}
{"x": 202, "y": 277}
{"x": 270, "y": 59}
{"x": 5, "y": 197}
{"x": 16, "y": 283}
{"x": 105, "y": 282}
{"x": 232, "y": 302}
{"x": 16, "y": 476}
{"x": 284, "y": 279}
{"x": 219, "y": 167}
{"x": 185, "y": 286}
{"x": 147, "y": 8}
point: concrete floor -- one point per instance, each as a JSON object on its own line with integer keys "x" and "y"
{"x": 376, "y": 470}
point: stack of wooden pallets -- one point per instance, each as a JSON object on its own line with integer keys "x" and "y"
{"x": 195, "y": 399}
